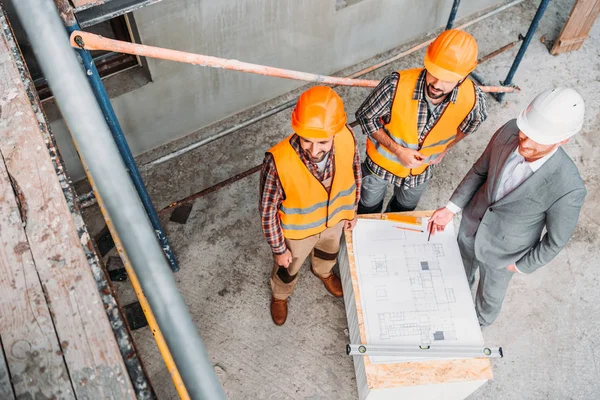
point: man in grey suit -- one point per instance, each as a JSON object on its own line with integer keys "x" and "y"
{"x": 524, "y": 181}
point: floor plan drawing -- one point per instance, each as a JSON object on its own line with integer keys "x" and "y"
{"x": 413, "y": 291}
{"x": 381, "y": 293}
{"x": 379, "y": 264}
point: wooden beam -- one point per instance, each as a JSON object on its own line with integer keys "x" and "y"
{"x": 575, "y": 40}
{"x": 6, "y": 390}
{"x": 28, "y": 338}
{"x": 85, "y": 4}
{"x": 87, "y": 343}
{"x": 578, "y": 25}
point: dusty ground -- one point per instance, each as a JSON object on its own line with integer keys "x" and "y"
{"x": 549, "y": 325}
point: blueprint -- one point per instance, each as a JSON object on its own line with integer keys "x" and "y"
{"x": 413, "y": 292}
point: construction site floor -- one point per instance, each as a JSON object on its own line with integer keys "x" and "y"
{"x": 548, "y": 327}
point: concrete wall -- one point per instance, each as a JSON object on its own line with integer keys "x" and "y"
{"x": 306, "y": 35}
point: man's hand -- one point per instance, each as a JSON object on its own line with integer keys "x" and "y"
{"x": 408, "y": 157}
{"x": 283, "y": 260}
{"x": 438, "y": 221}
{"x": 349, "y": 225}
{"x": 512, "y": 268}
{"x": 438, "y": 159}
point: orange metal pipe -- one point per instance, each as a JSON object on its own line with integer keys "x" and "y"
{"x": 96, "y": 42}
{"x": 500, "y": 89}
{"x": 90, "y": 41}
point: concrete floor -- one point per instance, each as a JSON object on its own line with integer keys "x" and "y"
{"x": 549, "y": 324}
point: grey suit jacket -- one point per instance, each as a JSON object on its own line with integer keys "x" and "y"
{"x": 509, "y": 231}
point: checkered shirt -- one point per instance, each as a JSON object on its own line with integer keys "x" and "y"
{"x": 375, "y": 112}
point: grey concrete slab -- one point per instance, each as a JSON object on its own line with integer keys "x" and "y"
{"x": 548, "y": 327}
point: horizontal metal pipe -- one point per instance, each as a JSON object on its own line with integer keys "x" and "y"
{"x": 500, "y": 89}
{"x": 226, "y": 182}
{"x": 288, "y": 104}
{"x": 499, "y": 51}
{"x": 218, "y": 135}
{"x": 93, "y": 139}
{"x": 90, "y": 41}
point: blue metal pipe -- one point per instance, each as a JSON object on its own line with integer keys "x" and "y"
{"x": 530, "y": 32}
{"x": 452, "y": 14}
{"x": 115, "y": 128}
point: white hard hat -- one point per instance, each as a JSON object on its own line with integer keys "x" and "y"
{"x": 553, "y": 116}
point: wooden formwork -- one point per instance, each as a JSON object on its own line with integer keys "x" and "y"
{"x": 56, "y": 340}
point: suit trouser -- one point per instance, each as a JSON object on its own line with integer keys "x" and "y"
{"x": 323, "y": 249}
{"x": 493, "y": 282}
{"x": 373, "y": 190}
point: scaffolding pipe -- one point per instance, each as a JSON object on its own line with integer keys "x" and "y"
{"x": 90, "y": 41}
{"x": 530, "y": 32}
{"x": 135, "y": 283}
{"x": 452, "y": 14}
{"x": 288, "y": 104}
{"x": 93, "y": 139}
{"x": 91, "y": 198}
{"x": 71, "y": 24}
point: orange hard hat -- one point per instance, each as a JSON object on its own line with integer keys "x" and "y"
{"x": 451, "y": 56}
{"x": 319, "y": 113}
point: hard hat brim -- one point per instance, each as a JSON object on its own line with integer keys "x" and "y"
{"x": 312, "y": 133}
{"x": 535, "y": 134}
{"x": 441, "y": 73}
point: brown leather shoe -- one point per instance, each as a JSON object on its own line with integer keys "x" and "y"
{"x": 332, "y": 284}
{"x": 279, "y": 311}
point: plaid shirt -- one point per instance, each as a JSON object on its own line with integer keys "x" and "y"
{"x": 375, "y": 112}
{"x": 271, "y": 192}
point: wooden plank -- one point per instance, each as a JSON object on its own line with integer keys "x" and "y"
{"x": 576, "y": 40}
{"x": 84, "y": 4}
{"x": 86, "y": 340}
{"x": 577, "y": 26}
{"x": 6, "y": 390}
{"x": 26, "y": 329}
{"x": 586, "y": 12}
{"x": 380, "y": 376}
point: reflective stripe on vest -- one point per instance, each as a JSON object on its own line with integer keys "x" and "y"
{"x": 403, "y": 125}
{"x": 308, "y": 208}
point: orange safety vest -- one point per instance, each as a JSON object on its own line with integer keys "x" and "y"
{"x": 403, "y": 125}
{"x": 309, "y": 207}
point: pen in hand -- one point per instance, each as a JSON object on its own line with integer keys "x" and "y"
{"x": 430, "y": 229}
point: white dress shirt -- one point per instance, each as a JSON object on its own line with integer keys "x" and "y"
{"x": 516, "y": 171}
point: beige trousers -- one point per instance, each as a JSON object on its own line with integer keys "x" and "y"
{"x": 323, "y": 249}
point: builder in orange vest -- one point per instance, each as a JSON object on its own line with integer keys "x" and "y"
{"x": 413, "y": 117}
{"x": 310, "y": 186}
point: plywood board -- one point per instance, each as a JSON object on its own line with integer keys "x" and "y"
{"x": 380, "y": 376}
{"x": 86, "y": 340}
